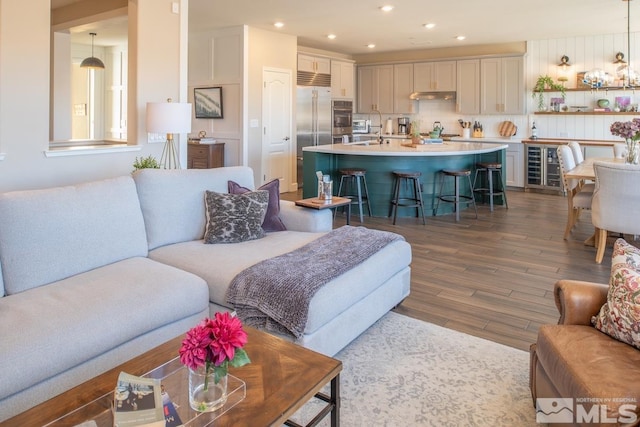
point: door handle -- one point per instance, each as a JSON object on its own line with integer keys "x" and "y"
{"x": 286, "y": 138}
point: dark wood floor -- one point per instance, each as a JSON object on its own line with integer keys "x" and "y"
{"x": 493, "y": 277}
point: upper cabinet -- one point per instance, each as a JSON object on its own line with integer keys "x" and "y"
{"x": 434, "y": 76}
{"x": 502, "y": 85}
{"x": 468, "y": 86}
{"x": 314, "y": 64}
{"x": 403, "y": 75}
{"x": 342, "y": 77}
{"x": 375, "y": 89}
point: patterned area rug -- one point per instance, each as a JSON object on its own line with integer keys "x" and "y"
{"x": 404, "y": 371}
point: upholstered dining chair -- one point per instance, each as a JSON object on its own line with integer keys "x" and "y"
{"x": 578, "y": 156}
{"x": 616, "y": 201}
{"x": 578, "y": 194}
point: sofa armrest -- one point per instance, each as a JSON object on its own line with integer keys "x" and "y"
{"x": 297, "y": 218}
{"x": 578, "y": 301}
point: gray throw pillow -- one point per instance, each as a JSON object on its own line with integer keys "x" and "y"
{"x": 234, "y": 218}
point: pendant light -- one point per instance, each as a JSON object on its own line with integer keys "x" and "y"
{"x": 629, "y": 77}
{"x": 92, "y": 61}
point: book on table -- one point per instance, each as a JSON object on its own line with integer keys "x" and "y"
{"x": 138, "y": 402}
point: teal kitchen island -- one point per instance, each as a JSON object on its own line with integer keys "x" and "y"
{"x": 380, "y": 160}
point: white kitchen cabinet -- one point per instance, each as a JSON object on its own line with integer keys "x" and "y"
{"x": 514, "y": 158}
{"x": 502, "y": 85}
{"x": 434, "y": 76}
{"x": 468, "y": 86}
{"x": 314, "y": 64}
{"x": 402, "y": 89}
{"x": 342, "y": 77}
{"x": 375, "y": 89}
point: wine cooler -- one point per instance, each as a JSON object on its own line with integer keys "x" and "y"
{"x": 543, "y": 169}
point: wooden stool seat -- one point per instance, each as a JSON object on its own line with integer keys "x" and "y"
{"x": 489, "y": 168}
{"x": 413, "y": 200}
{"x": 352, "y": 184}
{"x": 457, "y": 199}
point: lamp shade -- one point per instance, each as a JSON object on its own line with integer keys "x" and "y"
{"x": 168, "y": 117}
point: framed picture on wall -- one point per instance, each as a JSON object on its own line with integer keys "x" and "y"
{"x": 208, "y": 102}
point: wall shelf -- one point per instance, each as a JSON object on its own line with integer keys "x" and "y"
{"x": 589, "y": 113}
{"x": 588, "y": 89}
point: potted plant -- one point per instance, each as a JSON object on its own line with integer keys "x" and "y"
{"x": 145, "y": 163}
{"x": 545, "y": 82}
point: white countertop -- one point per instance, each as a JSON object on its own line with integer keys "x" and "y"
{"x": 491, "y": 139}
{"x": 394, "y": 148}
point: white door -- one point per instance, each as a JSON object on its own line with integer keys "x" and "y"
{"x": 278, "y": 154}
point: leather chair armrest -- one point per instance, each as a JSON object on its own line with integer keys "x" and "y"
{"x": 578, "y": 301}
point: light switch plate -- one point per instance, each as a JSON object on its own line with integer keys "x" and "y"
{"x": 254, "y": 123}
{"x": 156, "y": 137}
{"x": 175, "y": 7}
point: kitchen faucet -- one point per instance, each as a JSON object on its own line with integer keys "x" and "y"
{"x": 379, "y": 127}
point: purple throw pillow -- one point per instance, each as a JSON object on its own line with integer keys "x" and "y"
{"x": 272, "y": 221}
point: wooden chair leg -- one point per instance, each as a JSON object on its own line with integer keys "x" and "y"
{"x": 601, "y": 243}
{"x": 570, "y": 222}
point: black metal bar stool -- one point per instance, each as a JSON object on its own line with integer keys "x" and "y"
{"x": 353, "y": 181}
{"x": 457, "y": 199}
{"x": 412, "y": 200}
{"x": 489, "y": 190}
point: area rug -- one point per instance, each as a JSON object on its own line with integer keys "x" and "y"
{"x": 404, "y": 371}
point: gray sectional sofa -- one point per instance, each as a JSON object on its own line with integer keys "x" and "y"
{"x": 97, "y": 273}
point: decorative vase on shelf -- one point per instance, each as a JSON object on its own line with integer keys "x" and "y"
{"x": 205, "y": 395}
{"x": 633, "y": 152}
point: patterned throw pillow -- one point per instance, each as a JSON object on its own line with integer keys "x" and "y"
{"x": 234, "y": 218}
{"x": 619, "y": 317}
{"x": 272, "y": 221}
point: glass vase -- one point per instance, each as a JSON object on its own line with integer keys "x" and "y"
{"x": 633, "y": 153}
{"x": 204, "y": 394}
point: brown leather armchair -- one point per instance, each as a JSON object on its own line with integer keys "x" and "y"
{"x": 574, "y": 360}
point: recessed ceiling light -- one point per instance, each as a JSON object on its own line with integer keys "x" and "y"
{"x": 331, "y": 36}
{"x": 386, "y": 8}
{"x": 278, "y": 24}
{"x": 371, "y": 45}
{"x": 429, "y": 26}
{"x": 460, "y": 37}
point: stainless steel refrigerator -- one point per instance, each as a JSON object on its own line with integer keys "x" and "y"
{"x": 313, "y": 123}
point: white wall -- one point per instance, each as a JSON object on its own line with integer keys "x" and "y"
{"x": 156, "y": 42}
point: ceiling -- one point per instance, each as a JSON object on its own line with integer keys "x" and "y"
{"x": 357, "y": 23}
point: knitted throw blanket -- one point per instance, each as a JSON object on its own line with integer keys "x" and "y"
{"x": 274, "y": 294}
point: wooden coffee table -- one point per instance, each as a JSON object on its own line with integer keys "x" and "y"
{"x": 281, "y": 378}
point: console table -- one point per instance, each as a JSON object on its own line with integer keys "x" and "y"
{"x": 205, "y": 156}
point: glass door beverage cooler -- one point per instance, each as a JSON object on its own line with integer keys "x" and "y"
{"x": 543, "y": 169}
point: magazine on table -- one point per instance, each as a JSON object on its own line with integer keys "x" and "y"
{"x": 138, "y": 402}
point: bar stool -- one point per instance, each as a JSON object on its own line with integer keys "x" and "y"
{"x": 489, "y": 169}
{"x": 351, "y": 179}
{"x": 457, "y": 199}
{"x": 413, "y": 200}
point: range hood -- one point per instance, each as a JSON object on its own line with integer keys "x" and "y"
{"x": 447, "y": 96}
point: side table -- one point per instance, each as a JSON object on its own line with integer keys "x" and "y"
{"x": 335, "y": 202}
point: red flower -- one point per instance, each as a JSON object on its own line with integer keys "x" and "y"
{"x": 214, "y": 341}
{"x": 228, "y": 334}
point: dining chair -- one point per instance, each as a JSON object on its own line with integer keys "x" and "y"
{"x": 616, "y": 201}
{"x": 578, "y": 194}
{"x": 578, "y": 156}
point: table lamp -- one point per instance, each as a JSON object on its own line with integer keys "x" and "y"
{"x": 169, "y": 117}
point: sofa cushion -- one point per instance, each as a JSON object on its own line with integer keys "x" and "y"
{"x": 272, "y": 221}
{"x": 235, "y": 218}
{"x": 584, "y": 362}
{"x": 79, "y": 318}
{"x": 619, "y": 317}
{"x": 51, "y": 234}
{"x": 171, "y": 200}
{"x": 334, "y": 298}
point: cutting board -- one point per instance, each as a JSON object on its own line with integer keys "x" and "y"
{"x": 507, "y": 128}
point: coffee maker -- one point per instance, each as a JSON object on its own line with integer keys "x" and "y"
{"x": 403, "y": 125}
